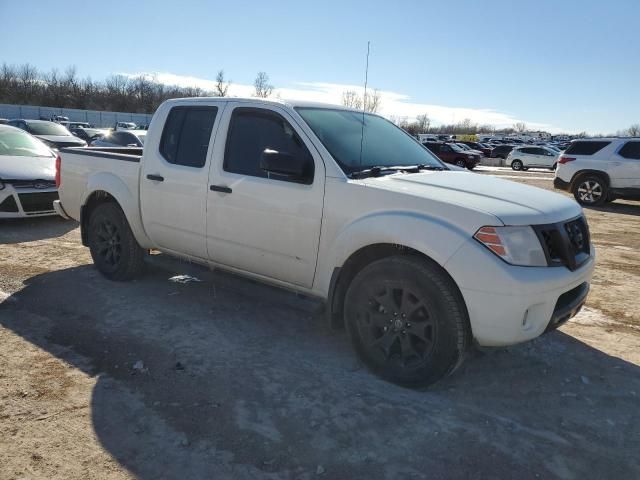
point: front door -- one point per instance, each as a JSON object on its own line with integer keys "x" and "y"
{"x": 173, "y": 183}
{"x": 259, "y": 222}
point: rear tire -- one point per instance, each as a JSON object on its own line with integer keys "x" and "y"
{"x": 407, "y": 320}
{"x": 517, "y": 165}
{"x": 114, "y": 249}
{"x": 590, "y": 190}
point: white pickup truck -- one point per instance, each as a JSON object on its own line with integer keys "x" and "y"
{"x": 415, "y": 258}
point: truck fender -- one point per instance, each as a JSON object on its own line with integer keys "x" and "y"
{"x": 127, "y": 200}
{"x": 425, "y": 234}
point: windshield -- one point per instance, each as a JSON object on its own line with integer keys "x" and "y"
{"x": 47, "y": 128}
{"x": 456, "y": 148}
{"x": 382, "y": 143}
{"x": 18, "y": 143}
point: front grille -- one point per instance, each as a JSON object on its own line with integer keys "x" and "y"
{"x": 37, "y": 202}
{"x": 565, "y": 244}
{"x": 18, "y": 184}
{"x": 9, "y": 205}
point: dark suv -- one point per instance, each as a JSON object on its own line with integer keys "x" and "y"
{"x": 480, "y": 147}
{"x": 501, "y": 151}
{"x": 450, "y": 153}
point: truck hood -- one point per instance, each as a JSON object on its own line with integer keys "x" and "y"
{"x": 27, "y": 168}
{"x": 512, "y": 203}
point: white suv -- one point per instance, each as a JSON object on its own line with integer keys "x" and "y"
{"x": 522, "y": 158}
{"x": 600, "y": 170}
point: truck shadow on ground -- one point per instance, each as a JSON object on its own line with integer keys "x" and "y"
{"x": 619, "y": 207}
{"x": 233, "y": 384}
{"x": 18, "y": 230}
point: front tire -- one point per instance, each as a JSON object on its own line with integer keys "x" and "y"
{"x": 407, "y": 320}
{"x": 461, "y": 163}
{"x": 517, "y": 165}
{"x": 590, "y": 190}
{"x": 114, "y": 249}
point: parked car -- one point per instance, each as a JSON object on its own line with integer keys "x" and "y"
{"x": 125, "y": 126}
{"x": 89, "y": 134}
{"x": 27, "y": 173}
{"x": 73, "y": 125}
{"x": 599, "y": 170}
{"x": 451, "y": 153}
{"x": 501, "y": 151}
{"x": 121, "y": 138}
{"x": 415, "y": 259}
{"x": 467, "y": 148}
{"x": 51, "y": 133}
{"x": 485, "y": 149}
{"x": 523, "y": 158}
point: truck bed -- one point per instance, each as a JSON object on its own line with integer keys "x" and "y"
{"x": 129, "y": 154}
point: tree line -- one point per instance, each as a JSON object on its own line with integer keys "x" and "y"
{"x": 26, "y": 85}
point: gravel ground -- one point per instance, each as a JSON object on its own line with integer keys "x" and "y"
{"x": 226, "y": 378}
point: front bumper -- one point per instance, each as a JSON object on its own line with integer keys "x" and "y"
{"x": 561, "y": 184}
{"x": 509, "y": 304}
{"x": 26, "y": 202}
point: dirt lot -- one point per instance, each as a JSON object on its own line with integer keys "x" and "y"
{"x": 229, "y": 379}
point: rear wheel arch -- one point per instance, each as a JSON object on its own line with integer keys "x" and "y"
{"x": 96, "y": 198}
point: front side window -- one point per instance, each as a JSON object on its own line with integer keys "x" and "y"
{"x": 186, "y": 135}
{"x": 630, "y": 150}
{"x": 254, "y": 130}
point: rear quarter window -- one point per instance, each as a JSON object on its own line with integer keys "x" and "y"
{"x": 630, "y": 150}
{"x": 585, "y": 148}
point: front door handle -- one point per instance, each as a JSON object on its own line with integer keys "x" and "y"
{"x": 156, "y": 178}
{"x": 220, "y": 188}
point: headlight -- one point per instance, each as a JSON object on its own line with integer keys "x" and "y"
{"x": 515, "y": 245}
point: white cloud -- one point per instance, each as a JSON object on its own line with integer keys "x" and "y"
{"x": 393, "y": 104}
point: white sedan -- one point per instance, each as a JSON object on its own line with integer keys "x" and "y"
{"x": 27, "y": 175}
{"x": 522, "y": 158}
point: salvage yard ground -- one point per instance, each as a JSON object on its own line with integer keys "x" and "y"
{"x": 225, "y": 378}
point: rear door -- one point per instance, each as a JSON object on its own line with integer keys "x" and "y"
{"x": 173, "y": 182}
{"x": 258, "y": 222}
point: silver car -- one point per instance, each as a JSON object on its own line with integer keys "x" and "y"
{"x": 27, "y": 175}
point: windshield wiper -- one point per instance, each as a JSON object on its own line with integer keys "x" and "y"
{"x": 382, "y": 169}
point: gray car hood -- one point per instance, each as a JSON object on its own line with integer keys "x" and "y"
{"x": 512, "y": 203}
{"x": 27, "y": 168}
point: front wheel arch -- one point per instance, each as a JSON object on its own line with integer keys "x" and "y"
{"x": 344, "y": 275}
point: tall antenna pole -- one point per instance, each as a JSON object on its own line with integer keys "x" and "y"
{"x": 364, "y": 99}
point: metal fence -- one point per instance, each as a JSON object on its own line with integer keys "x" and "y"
{"x": 94, "y": 117}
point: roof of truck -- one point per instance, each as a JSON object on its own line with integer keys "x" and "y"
{"x": 275, "y": 101}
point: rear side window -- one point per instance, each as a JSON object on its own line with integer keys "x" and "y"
{"x": 630, "y": 150}
{"x": 531, "y": 151}
{"x": 251, "y": 131}
{"x": 585, "y": 148}
{"x": 186, "y": 135}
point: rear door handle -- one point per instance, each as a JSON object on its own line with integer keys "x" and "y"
{"x": 220, "y": 188}
{"x": 156, "y": 178}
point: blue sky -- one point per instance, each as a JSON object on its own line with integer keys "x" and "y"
{"x": 563, "y": 64}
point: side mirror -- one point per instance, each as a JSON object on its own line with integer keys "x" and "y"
{"x": 283, "y": 163}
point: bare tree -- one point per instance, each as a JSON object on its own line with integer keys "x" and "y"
{"x": 372, "y": 101}
{"x": 423, "y": 122}
{"x": 262, "y": 85}
{"x": 222, "y": 86}
{"x": 350, "y": 98}
{"x": 634, "y": 130}
{"x": 520, "y": 127}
